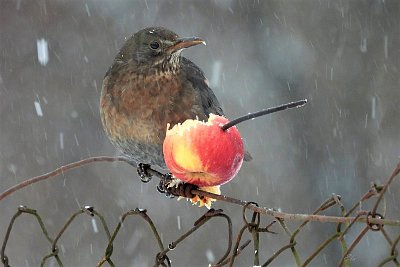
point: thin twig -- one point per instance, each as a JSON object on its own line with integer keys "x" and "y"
{"x": 60, "y": 170}
{"x": 263, "y": 112}
{"x": 261, "y": 210}
{"x": 295, "y": 217}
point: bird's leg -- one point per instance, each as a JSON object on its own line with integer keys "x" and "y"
{"x": 164, "y": 184}
{"x": 143, "y": 173}
{"x": 172, "y": 187}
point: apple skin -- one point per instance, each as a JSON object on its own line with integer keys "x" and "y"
{"x": 201, "y": 153}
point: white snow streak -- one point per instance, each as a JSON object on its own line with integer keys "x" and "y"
{"x": 38, "y": 108}
{"x": 94, "y": 225}
{"x": 42, "y": 51}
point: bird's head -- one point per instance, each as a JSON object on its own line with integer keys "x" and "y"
{"x": 156, "y": 46}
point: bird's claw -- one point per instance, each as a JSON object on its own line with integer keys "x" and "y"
{"x": 174, "y": 182}
{"x": 164, "y": 184}
{"x": 143, "y": 173}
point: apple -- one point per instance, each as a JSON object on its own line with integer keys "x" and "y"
{"x": 203, "y": 154}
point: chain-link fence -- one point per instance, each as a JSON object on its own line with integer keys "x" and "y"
{"x": 256, "y": 221}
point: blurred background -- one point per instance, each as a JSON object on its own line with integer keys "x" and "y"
{"x": 343, "y": 56}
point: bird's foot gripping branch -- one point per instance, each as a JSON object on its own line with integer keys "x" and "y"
{"x": 143, "y": 173}
{"x": 172, "y": 187}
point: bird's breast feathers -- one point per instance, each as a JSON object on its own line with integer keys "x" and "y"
{"x": 149, "y": 102}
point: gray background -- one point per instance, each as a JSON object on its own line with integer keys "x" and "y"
{"x": 341, "y": 55}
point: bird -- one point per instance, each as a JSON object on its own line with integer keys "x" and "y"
{"x": 148, "y": 86}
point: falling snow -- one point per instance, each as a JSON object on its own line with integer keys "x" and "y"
{"x": 178, "y": 218}
{"x": 216, "y": 73}
{"x": 42, "y": 51}
{"x": 210, "y": 255}
{"x": 94, "y": 225}
{"x": 61, "y": 141}
{"x": 373, "y": 108}
{"x": 363, "y": 45}
{"x": 38, "y": 109}
{"x": 12, "y": 168}
{"x": 342, "y": 55}
{"x": 385, "y": 46}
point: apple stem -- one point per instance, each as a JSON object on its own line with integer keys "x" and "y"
{"x": 296, "y": 104}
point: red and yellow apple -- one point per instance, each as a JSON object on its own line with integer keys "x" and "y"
{"x": 201, "y": 153}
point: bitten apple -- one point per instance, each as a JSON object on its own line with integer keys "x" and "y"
{"x": 201, "y": 153}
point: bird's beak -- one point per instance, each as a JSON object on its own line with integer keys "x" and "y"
{"x": 185, "y": 42}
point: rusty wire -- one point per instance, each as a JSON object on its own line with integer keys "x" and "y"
{"x": 252, "y": 226}
{"x": 372, "y": 219}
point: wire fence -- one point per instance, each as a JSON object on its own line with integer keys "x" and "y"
{"x": 251, "y": 216}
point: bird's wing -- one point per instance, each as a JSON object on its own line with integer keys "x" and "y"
{"x": 196, "y": 77}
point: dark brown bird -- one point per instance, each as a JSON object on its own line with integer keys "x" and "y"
{"x": 149, "y": 85}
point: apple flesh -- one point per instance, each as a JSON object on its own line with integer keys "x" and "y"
{"x": 201, "y": 153}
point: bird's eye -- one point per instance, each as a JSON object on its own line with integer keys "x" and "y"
{"x": 154, "y": 45}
